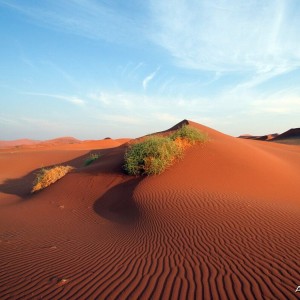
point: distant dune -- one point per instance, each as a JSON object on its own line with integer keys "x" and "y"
{"x": 28, "y": 142}
{"x": 14, "y": 143}
{"x": 222, "y": 223}
{"x": 292, "y": 136}
{"x": 61, "y": 142}
{"x": 267, "y": 137}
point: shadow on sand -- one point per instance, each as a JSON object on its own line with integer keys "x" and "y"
{"x": 19, "y": 186}
{"x": 22, "y": 186}
{"x": 118, "y": 205}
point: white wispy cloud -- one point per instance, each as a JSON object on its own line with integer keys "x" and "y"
{"x": 130, "y": 70}
{"x": 147, "y": 109}
{"x": 139, "y": 65}
{"x": 101, "y": 97}
{"x": 149, "y": 77}
{"x": 71, "y": 99}
{"x": 7, "y": 121}
{"x": 91, "y": 19}
{"x": 222, "y": 36}
{"x": 62, "y": 72}
{"x": 115, "y": 99}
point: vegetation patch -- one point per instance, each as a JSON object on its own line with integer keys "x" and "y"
{"x": 189, "y": 134}
{"x": 91, "y": 158}
{"x": 154, "y": 154}
{"x": 151, "y": 156}
{"x": 47, "y": 176}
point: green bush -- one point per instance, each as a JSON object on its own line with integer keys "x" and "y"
{"x": 190, "y": 134}
{"x": 155, "y": 153}
{"x": 151, "y": 156}
{"x": 91, "y": 159}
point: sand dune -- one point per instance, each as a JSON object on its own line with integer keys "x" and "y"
{"x": 61, "y": 143}
{"x": 222, "y": 223}
{"x": 15, "y": 143}
{"x": 266, "y": 137}
{"x": 29, "y": 142}
{"x": 292, "y": 137}
{"x": 62, "y": 140}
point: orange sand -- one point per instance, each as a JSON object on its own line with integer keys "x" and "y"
{"x": 223, "y": 223}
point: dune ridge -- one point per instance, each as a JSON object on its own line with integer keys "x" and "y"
{"x": 223, "y": 223}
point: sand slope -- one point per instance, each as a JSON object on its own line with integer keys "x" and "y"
{"x": 223, "y": 223}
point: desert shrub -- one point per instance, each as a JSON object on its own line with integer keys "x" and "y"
{"x": 155, "y": 153}
{"x": 91, "y": 158}
{"x": 188, "y": 134}
{"x": 151, "y": 156}
{"x": 47, "y": 176}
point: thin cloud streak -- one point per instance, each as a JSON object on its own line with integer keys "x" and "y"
{"x": 89, "y": 19}
{"x": 148, "y": 78}
{"x": 71, "y": 99}
{"x": 63, "y": 73}
{"x": 135, "y": 69}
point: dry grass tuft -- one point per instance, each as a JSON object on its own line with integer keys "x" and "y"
{"x": 182, "y": 143}
{"x": 47, "y": 176}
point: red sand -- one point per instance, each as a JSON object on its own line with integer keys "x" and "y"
{"x": 223, "y": 223}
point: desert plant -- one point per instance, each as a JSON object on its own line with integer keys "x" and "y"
{"x": 91, "y": 158}
{"x": 151, "y": 156}
{"x": 189, "y": 134}
{"x": 47, "y": 176}
{"x": 154, "y": 154}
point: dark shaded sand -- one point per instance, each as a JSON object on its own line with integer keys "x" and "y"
{"x": 223, "y": 223}
{"x": 291, "y": 136}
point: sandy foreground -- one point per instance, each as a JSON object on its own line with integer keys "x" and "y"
{"x": 222, "y": 223}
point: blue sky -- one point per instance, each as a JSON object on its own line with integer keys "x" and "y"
{"x": 92, "y": 69}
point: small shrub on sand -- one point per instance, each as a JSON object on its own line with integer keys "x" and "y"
{"x": 47, "y": 176}
{"x": 155, "y": 153}
{"x": 188, "y": 134}
{"x": 151, "y": 156}
{"x": 91, "y": 158}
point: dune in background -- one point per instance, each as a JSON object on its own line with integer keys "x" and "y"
{"x": 68, "y": 142}
{"x": 15, "y": 143}
{"x": 292, "y": 137}
{"x": 222, "y": 223}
